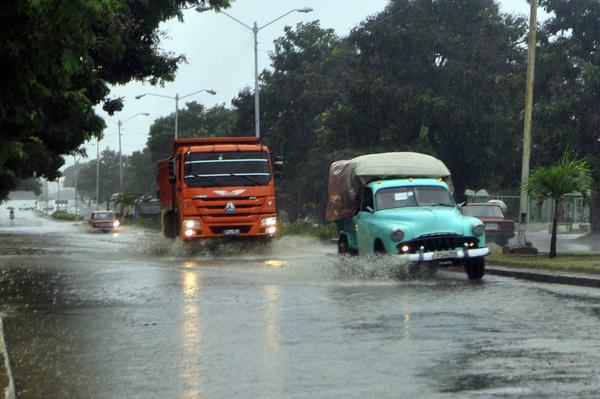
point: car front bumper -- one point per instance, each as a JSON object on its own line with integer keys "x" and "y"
{"x": 437, "y": 256}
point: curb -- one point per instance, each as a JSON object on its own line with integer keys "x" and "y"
{"x": 544, "y": 277}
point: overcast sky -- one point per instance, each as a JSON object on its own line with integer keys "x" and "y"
{"x": 220, "y": 57}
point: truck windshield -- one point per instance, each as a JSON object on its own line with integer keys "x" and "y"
{"x": 227, "y": 168}
{"x": 401, "y": 197}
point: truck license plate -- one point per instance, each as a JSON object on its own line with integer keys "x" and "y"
{"x": 231, "y": 232}
{"x": 444, "y": 254}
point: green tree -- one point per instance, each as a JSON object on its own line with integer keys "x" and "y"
{"x": 566, "y": 114}
{"x": 438, "y": 77}
{"x": 140, "y": 174}
{"x": 194, "y": 121}
{"x": 58, "y": 59}
{"x": 86, "y": 179}
{"x": 554, "y": 182}
{"x": 32, "y": 184}
{"x": 126, "y": 200}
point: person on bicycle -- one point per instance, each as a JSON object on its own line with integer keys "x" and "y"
{"x": 12, "y": 214}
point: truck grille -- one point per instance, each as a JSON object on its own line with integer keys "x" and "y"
{"x": 438, "y": 242}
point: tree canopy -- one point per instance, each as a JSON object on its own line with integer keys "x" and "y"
{"x": 58, "y": 59}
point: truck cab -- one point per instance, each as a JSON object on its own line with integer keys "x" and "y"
{"x": 217, "y": 187}
{"x": 416, "y": 220}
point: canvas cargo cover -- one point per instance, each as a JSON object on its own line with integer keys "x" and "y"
{"x": 347, "y": 178}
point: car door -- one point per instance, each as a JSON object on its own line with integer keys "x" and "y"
{"x": 362, "y": 221}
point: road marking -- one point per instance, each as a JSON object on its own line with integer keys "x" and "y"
{"x": 9, "y": 391}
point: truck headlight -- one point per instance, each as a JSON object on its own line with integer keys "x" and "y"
{"x": 478, "y": 229}
{"x": 116, "y": 223}
{"x": 272, "y": 221}
{"x": 190, "y": 224}
{"x": 397, "y": 235}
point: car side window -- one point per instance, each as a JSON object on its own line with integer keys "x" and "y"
{"x": 367, "y": 199}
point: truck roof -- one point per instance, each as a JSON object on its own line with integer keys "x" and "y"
{"x": 198, "y": 141}
{"x": 380, "y": 184}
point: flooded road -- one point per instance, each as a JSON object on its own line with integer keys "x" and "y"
{"x": 135, "y": 316}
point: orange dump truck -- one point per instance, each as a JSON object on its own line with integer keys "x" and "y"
{"x": 217, "y": 187}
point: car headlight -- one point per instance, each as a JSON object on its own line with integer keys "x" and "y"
{"x": 397, "y": 235}
{"x": 478, "y": 229}
{"x": 116, "y": 223}
{"x": 190, "y": 224}
{"x": 272, "y": 221}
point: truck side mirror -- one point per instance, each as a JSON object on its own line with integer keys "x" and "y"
{"x": 278, "y": 166}
{"x": 171, "y": 170}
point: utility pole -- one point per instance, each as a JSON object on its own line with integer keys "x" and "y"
{"x": 46, "y": 210}
{"x": 119, "y": 123}
{"x": 524, "y": 203}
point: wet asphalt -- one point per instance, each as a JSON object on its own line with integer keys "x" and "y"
{"x": 133, "y": 315}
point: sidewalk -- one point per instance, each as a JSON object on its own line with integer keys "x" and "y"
{"x": 545, "y": 276}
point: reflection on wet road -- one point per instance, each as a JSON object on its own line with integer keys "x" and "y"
{"x": 135, "y": 316}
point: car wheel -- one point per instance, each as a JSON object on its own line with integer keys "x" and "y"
{"x": 343, "y": 247}
{"x": 475, "y": 268}
{"x": 379, "y": 248}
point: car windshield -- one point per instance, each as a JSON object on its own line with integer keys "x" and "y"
{"x": 228, "y": 168}
{"x": 103, "y": 216}
{"x": 483, "y": 211}
{"x": 401, "y": 197}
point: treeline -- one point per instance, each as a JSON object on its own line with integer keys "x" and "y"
{"x": 441, "y": 77}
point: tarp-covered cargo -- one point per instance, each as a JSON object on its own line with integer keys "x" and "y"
{"x": 347, "y": 178}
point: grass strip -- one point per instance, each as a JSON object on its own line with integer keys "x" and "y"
{"x": 582, "y": 263}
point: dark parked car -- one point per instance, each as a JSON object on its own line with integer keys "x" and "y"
{"x": 497, "y": 228}
{"x": 104, "y": 221}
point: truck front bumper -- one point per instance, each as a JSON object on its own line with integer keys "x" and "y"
{"x": 436, "y": 256}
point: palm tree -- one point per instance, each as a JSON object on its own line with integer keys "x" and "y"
{"x": 554, "y": 182}
{"x": 126, "y": 200}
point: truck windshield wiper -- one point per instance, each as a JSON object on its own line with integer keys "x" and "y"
{"x": 441, "y": 204}
{"x": 256, "y": 182}
{"x": 207, "y": 178}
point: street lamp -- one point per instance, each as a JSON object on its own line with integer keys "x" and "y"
{"x": 176, "y": 98}
{"x": 120, "y": 123}
{"x": 255, "y": 28}
{"x": 97, "y": 145}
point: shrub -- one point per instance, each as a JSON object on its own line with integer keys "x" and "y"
{"x": 63, "y": 215}
{"x": 302, "y": 228}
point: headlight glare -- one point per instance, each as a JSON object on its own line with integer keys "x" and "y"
{"x": 190, "y": 224}
{"x": 478, "y": 229}
{"x": 271, "y": 221}
{"x": 397, "y": 235}
{"x": 116, "y": 223}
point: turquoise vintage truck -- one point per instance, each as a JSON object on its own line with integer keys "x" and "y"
{"x": 400, "y": 203}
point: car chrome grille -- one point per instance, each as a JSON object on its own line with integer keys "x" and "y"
{"x": 438, "y": 242}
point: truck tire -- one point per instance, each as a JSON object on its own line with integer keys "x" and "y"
{"x": 170, "y": 225}
{"x": 475, "y": 268}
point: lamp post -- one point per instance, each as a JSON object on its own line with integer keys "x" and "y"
{"x": 76, "y": 176}
{"x": 176, "y": 98}
{"x": 255, "y": 29}
{"x": 97, "y": 173}
{"x": 120, "y": 123}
